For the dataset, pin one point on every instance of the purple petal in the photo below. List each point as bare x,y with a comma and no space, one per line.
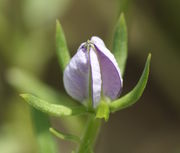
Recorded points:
95,78
76,75
97,40
110,72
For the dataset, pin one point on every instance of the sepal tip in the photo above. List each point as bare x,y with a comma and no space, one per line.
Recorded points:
103,111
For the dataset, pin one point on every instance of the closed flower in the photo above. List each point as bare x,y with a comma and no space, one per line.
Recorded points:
93,74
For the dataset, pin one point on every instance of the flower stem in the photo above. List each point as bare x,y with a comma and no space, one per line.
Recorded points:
90,135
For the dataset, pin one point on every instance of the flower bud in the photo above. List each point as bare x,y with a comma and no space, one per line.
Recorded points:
93,73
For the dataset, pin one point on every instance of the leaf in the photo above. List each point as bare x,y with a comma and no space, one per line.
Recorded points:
52,109
26,82
61,47
134,95
120,43
65,136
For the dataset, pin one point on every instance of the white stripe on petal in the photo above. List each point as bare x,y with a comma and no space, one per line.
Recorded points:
95,78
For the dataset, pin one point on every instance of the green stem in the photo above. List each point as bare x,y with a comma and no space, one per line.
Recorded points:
90,135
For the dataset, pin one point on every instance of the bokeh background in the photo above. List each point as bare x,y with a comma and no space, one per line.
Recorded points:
28,62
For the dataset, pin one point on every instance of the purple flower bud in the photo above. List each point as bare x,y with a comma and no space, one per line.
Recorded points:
93,71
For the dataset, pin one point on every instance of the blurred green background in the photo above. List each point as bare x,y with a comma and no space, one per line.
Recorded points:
28,62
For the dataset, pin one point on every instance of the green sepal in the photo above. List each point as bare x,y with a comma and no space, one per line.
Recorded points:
120,43
61,47
103,111
65,136
53,109
134,95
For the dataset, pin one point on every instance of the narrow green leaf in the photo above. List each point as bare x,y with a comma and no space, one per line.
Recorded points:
134,95
25,82
61,47
65,136
120,43
52,109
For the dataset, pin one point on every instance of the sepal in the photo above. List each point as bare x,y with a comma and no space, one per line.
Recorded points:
134,95
120,50
61,47
103,111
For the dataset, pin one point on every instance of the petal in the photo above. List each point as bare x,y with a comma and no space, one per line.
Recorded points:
95,78
76,75
97,40
111,76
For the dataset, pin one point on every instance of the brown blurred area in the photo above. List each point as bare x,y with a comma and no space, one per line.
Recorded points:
27,41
